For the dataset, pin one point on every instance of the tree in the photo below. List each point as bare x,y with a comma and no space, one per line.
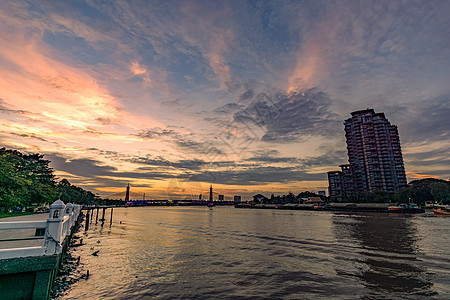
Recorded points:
428,189
440,192
75,194
381,196
27,179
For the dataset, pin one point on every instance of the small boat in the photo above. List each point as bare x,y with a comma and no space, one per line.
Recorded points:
398,207
407,208
430,204
442,210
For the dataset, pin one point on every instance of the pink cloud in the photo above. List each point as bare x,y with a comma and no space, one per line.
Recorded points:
218,46
215,40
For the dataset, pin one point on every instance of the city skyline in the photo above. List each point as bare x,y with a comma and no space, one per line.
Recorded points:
248,96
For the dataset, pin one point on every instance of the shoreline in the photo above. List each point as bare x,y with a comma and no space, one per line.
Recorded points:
346,207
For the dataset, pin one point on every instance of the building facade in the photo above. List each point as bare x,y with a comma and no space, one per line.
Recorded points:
374,155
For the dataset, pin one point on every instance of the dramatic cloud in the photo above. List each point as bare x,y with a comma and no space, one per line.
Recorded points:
286,117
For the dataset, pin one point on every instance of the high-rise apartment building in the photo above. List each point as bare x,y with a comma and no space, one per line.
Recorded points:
374,155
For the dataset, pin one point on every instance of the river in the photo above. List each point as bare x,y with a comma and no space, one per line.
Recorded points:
229,253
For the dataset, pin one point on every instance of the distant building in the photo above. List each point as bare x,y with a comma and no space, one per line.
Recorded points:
322,193
237,198
221,197
210,193
374,155
335,185
314,200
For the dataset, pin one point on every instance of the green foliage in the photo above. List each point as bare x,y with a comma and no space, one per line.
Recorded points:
440,191
27,179
417,191
75,194
429,189
379,197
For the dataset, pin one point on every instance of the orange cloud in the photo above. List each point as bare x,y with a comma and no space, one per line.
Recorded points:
140,70
309,68
414,175
313,59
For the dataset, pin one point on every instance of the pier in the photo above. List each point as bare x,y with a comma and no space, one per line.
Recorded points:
28,272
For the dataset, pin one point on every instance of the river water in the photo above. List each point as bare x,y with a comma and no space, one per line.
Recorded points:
230,253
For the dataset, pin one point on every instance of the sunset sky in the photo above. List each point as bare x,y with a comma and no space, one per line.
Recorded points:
250,96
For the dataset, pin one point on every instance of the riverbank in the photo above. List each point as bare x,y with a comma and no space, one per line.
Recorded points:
349,207
192,252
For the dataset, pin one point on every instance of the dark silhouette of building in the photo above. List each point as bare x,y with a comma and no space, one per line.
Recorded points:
210,193
374,155
127,195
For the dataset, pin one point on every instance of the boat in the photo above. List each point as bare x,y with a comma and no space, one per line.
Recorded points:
430,204
442,210
398,207
405,208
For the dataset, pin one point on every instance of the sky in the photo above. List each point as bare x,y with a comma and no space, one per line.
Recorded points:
249,96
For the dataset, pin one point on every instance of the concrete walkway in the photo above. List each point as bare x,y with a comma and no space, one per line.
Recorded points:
6,236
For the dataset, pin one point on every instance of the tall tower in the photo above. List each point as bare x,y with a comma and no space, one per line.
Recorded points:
210,193
127,195
374,153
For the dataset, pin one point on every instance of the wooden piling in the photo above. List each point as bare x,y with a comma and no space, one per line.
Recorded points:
86,228
96,218
110,220
103,216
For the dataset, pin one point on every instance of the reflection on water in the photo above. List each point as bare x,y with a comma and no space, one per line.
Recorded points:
228,253
389,259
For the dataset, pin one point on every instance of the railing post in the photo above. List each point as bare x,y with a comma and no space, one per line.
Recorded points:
69,211
53,233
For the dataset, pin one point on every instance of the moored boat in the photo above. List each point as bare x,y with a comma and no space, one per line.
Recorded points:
430,204
398,207
442,210
405,208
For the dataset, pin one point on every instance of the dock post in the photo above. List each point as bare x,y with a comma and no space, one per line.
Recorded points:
96,218
103,216
110,220
86,228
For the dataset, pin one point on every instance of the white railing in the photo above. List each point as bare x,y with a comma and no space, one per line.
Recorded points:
57,227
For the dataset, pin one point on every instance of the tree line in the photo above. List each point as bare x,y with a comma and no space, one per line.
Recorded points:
418,191
27,180
285,199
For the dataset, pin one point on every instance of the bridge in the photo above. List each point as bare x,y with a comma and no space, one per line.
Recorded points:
169,202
